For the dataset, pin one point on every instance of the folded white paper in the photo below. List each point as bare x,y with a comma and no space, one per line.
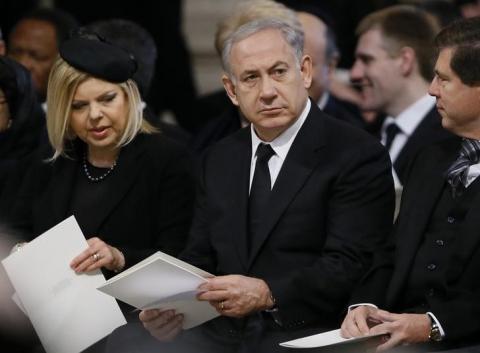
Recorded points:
164,282
328,338
66,310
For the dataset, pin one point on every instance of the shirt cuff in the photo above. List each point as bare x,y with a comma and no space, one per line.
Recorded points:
353,306
433,317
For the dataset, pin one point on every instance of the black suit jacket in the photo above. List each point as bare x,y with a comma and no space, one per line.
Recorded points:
216,129
150,209
330,207
456,304
344,111
428,132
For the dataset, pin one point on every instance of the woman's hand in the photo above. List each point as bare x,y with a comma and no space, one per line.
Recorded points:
98,254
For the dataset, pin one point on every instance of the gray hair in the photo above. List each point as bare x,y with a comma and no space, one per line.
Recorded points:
293,36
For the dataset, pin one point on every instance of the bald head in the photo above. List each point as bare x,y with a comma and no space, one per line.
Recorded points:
323,53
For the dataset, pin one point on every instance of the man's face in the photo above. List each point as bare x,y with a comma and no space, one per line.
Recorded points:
457,103
33,44
315,45
377,73
268,85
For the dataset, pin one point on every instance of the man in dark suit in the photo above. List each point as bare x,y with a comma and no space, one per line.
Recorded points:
433,272
393,68
289,211
320,45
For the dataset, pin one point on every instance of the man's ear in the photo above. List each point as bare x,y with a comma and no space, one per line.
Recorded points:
3,49
306,71
230,89
408,60
332,66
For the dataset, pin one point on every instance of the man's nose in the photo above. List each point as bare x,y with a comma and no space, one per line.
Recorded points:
268,88
357,71
433,89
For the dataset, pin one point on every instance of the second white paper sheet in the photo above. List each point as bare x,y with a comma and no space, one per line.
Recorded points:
324,339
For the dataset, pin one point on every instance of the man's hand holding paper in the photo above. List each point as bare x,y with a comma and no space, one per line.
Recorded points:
232,295
163,325
401,328
235,295
358,321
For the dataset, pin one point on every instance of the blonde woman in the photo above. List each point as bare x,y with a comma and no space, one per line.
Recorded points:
128,186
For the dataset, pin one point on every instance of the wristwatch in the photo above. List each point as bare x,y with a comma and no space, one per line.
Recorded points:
435,334
273,311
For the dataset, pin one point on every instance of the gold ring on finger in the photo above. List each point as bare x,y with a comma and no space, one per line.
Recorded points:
96,257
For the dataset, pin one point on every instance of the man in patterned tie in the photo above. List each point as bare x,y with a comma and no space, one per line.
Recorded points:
433,274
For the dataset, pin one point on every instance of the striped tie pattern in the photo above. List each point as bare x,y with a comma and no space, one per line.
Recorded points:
469,154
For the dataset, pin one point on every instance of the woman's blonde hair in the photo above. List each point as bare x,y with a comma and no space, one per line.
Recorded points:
62,84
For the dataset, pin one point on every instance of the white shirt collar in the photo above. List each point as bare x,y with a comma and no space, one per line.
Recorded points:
281,144
410,118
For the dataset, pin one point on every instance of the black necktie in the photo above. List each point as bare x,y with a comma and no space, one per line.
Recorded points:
469,154
391,131
259,192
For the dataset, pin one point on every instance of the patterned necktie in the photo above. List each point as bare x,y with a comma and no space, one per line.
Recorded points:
259,192
469,154
391,131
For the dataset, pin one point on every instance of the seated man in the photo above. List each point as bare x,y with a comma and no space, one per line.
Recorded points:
290,209
433,271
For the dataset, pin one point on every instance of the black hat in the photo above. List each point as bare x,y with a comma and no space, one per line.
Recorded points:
92,54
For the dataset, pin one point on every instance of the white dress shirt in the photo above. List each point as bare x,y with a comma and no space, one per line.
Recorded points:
280,145
407,121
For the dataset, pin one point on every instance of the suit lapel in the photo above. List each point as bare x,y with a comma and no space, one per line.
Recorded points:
300,162
427,132
240,170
